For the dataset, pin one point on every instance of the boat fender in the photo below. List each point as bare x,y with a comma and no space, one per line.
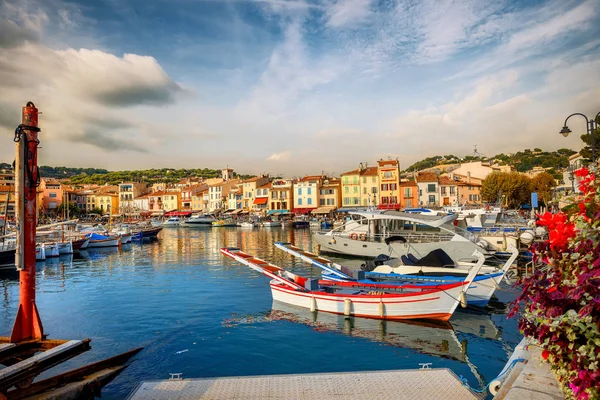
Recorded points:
381,309
463,299
527,237
363,237
347,307
353,236
313,304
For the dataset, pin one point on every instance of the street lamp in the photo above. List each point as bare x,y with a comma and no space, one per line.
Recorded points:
591,125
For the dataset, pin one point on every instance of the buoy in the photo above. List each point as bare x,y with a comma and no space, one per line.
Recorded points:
527,237
463,299
313,304
347,307
381,309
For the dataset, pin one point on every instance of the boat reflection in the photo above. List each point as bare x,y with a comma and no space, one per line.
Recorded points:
434,338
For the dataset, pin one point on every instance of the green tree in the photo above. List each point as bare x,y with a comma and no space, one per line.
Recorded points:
95,210
591,140
513,188
73,210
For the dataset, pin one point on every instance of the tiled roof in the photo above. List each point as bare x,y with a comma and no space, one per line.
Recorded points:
353,172
427,177
388,162
369,171
444,180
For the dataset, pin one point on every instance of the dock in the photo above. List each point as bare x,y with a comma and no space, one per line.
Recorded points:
426,383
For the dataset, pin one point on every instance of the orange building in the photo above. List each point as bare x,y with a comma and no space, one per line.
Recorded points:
409,193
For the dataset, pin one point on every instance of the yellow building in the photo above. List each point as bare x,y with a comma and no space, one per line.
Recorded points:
161,202
330,195
369,187
389,184
351,188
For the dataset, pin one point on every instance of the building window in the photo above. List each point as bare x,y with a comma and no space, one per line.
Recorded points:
356,201
322,202
346,189
365,190
345,179
431,199
309,201
443,189
299,191
431,188
393,200
384,187
409,203
330,202
355,189
52,195
393,186
346,201
364,179
387,175
299,202
407,192
451,189
309,191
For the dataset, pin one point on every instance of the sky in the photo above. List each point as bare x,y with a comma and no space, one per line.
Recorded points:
295,87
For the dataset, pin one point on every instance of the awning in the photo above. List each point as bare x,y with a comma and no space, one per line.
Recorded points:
391,206
178,214
347,209
229,212
302,210
271,212
261,200
322,210
236,212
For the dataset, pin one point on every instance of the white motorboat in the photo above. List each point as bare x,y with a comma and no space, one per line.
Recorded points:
271,224
172,222
97,241
199,221
371,233
247,224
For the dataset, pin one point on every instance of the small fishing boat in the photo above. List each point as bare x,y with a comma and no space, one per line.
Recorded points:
65,247
247,224
7,252
358,299
40,253
96,240
271,224
137,237
300,224
151,232
80,244
51,250
479,293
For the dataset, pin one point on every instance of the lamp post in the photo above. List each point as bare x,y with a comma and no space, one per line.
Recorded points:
591,125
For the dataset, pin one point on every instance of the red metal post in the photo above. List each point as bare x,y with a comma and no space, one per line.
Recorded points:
27,324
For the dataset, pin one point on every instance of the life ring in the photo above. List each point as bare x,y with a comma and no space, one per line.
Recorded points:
354,236
363,237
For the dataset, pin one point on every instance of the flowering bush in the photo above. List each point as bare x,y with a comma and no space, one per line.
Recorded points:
562,299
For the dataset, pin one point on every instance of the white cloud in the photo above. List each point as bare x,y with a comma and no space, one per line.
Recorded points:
282,156
345,13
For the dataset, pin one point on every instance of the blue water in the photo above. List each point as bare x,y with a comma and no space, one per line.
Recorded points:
203,315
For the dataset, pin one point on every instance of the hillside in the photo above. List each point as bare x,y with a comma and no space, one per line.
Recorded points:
523,160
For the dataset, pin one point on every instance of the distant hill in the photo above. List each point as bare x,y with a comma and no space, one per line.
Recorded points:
523,160
102,176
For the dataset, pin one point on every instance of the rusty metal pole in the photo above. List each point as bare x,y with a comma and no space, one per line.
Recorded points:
27,323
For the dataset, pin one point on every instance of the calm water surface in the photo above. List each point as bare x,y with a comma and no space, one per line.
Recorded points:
200,314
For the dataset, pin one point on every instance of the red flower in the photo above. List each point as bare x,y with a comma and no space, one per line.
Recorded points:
545,354
581,172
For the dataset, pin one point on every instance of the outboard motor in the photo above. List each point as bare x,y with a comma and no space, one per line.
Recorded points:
370,265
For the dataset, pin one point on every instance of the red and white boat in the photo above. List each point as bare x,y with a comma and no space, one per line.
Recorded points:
411,301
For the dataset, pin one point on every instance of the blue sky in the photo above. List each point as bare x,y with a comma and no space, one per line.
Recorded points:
295,86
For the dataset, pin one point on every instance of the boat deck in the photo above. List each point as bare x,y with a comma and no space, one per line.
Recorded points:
395,384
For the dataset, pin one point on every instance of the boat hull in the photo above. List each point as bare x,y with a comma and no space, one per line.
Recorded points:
271,224
51,250
437,305
111,242
456,249
65,248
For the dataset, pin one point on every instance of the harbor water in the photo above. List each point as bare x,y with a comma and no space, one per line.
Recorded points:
197,313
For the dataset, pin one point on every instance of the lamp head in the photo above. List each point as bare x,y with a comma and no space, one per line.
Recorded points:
565,131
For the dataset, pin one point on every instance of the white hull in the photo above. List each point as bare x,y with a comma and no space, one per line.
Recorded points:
51,250
40,254
65,248
113,242
126,238
249,225
457,249
437,305
271,224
